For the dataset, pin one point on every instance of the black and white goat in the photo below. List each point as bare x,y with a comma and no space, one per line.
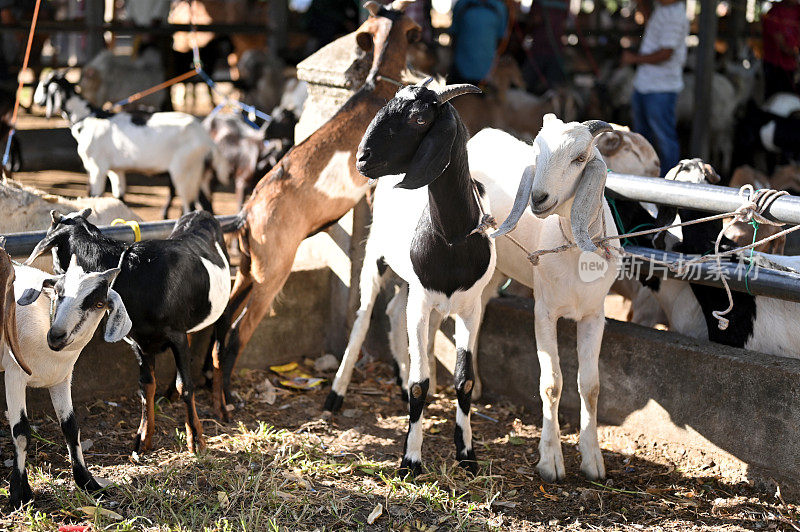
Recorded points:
52,332
758,323
110,144
426,208
170,287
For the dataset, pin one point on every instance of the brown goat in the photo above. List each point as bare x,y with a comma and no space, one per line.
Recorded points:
8,311
314,185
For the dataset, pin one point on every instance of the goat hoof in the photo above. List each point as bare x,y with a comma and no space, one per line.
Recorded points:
141,444
222,414
333,403
410,468
20,495
592,464
551,471
92,486
470,463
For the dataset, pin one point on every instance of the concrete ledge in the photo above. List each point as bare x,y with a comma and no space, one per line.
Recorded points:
727,400
298,327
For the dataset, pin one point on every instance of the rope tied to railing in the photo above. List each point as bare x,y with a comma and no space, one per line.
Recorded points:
751,211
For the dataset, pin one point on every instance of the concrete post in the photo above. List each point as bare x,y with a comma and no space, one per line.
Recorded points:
333,74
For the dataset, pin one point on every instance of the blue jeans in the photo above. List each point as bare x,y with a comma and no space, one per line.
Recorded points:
654,117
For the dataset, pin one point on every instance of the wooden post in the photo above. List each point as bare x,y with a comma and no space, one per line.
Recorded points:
278,24
704,73
94,12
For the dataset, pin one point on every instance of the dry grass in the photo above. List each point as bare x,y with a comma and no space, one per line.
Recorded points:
330,475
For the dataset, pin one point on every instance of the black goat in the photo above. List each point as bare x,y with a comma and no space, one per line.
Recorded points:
170,288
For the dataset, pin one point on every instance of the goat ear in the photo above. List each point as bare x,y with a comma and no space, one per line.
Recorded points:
520,203
364,41
56,217
119,323
85,213
44,245
108,275
588,202
8,328
31,294
433,154
609,143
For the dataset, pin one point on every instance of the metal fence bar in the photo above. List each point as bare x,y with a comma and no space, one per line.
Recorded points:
710,198
761,281
81,26
21,244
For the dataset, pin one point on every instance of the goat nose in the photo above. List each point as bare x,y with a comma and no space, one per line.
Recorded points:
364,155
56,337
539,199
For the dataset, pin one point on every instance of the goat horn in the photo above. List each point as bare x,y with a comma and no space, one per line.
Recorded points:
598,126
400,5
451,91
373,7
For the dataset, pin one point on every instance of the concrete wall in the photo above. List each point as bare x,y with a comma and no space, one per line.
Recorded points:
727,400
297,328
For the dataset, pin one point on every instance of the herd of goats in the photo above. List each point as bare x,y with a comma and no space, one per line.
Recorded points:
437,190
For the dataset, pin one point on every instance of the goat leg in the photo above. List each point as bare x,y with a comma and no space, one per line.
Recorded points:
466,335
370,285
170,197
418,316
194,427
61,397
147,392
20,490
221,328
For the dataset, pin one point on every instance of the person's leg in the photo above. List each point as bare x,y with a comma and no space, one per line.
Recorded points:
662,122
639,111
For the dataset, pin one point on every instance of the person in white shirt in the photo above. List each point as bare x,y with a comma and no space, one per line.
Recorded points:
659,79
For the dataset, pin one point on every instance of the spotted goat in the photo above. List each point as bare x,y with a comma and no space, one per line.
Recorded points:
52,332
170,287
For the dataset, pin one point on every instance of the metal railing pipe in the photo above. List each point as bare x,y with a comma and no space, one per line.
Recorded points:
710,198
760,281
21,244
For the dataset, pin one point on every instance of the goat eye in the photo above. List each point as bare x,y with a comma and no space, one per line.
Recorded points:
99,304
420,121
579,159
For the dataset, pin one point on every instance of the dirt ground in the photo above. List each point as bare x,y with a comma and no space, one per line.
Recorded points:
282,466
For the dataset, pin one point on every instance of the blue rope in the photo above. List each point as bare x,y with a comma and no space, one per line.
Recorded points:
7,153
250,109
